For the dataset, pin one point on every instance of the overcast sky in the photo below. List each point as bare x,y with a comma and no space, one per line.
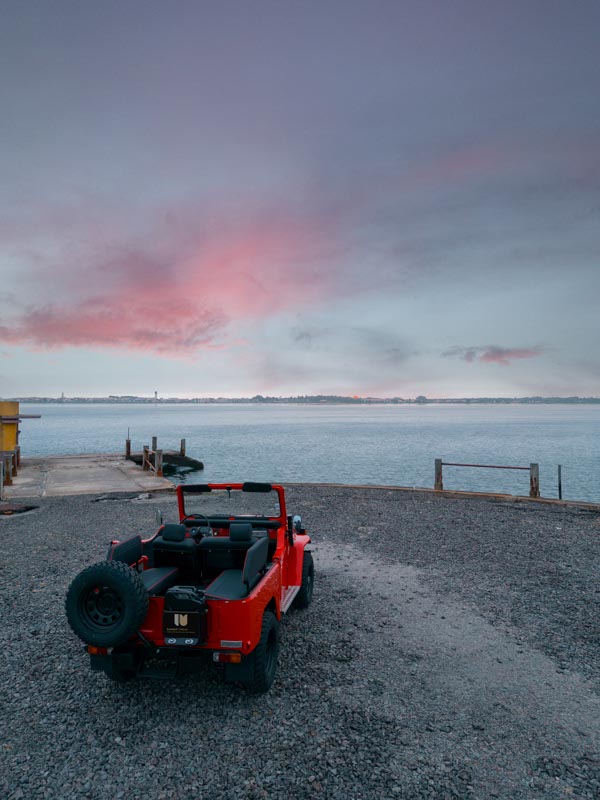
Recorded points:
231,198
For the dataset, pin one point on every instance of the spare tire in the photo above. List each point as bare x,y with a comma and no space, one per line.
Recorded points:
106,604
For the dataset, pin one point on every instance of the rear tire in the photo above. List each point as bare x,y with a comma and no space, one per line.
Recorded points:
106,604
304,596
265,655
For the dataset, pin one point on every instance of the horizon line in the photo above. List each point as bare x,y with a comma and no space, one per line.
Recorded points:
419,399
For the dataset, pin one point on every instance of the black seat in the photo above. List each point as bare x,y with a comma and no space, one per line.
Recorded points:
240,531
159,579
235,584
256,561
226,552
129,551
172,532
228,586
173,548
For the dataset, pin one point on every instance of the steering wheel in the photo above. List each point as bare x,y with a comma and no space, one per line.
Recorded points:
198,533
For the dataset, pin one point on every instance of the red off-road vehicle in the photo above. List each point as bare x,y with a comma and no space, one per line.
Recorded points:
214,585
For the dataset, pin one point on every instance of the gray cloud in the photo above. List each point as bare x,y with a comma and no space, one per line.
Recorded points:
493,354
363,343
431,170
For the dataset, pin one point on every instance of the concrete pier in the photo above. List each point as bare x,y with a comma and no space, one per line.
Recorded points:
54,476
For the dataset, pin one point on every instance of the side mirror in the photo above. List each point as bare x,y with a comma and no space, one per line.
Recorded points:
158,516
297,523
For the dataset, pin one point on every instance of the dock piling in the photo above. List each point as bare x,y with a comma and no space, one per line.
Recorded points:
534,480
7,471
145,460
127,448
154,443
438,485
158,463
560,481
182,448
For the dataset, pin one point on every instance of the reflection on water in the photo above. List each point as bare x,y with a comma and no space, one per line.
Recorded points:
344,444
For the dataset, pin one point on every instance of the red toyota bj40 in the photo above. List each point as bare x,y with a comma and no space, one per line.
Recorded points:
214,585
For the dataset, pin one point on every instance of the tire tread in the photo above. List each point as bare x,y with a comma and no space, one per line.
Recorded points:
135,600
303,598
261,681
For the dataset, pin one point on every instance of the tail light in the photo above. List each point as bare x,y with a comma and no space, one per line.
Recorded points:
227,658
97,651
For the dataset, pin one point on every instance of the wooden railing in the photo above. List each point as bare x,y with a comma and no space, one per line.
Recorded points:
152,458
533,469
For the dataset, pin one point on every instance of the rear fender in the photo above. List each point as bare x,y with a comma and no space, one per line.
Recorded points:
295,558
240,621
227,620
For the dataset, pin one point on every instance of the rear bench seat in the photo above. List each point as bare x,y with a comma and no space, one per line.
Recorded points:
238,558
235,584
172,547
157,579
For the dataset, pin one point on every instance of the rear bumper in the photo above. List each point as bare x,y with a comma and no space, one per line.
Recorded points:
168,663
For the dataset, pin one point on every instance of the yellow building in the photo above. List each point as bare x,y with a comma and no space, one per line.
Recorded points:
9,425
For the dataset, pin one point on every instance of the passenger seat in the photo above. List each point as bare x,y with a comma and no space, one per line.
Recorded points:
218,553
235,584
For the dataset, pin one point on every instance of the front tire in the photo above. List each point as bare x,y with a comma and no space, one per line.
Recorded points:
265,655
106,604
304,596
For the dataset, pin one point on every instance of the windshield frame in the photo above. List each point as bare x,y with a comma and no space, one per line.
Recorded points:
201,488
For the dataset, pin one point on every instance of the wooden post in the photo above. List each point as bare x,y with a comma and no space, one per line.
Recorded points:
7,475
13,461
158,468
560,482
154,443
182,448
127,448
19,455
534,480
145,464
438,485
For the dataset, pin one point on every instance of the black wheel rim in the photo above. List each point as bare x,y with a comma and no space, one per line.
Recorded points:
271,654
101,607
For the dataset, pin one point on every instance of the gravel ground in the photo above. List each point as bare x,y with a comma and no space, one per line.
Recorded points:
451,650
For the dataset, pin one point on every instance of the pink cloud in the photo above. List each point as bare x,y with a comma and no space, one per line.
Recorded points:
504,355
493,354
182,300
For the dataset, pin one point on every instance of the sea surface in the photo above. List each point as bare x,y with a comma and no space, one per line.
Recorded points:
373,444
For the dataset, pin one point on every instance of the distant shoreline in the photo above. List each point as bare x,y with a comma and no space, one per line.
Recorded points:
317,400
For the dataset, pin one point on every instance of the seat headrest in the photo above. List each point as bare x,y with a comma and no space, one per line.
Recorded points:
240,531
171,532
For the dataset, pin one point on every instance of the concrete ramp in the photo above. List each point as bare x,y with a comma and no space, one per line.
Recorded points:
55,476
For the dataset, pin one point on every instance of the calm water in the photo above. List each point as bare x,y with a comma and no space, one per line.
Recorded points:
345,444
